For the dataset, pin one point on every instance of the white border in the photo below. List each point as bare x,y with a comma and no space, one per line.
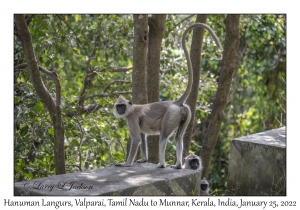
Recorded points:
8,8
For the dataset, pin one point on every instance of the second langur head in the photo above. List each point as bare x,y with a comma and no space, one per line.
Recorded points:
193,161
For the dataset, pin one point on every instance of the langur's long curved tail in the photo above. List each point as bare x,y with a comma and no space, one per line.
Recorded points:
186,94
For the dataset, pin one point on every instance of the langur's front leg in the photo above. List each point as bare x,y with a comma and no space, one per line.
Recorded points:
135,142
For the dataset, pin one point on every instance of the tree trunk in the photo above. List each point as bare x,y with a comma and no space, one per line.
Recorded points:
156,34
195,52
228,62
52,106
139,82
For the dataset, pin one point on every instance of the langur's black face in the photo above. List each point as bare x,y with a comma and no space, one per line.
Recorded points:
194,163
121,108
203,187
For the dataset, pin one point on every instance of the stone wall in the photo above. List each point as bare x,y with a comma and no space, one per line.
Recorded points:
140,179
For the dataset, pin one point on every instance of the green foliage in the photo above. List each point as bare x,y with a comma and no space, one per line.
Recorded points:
71,45
64,43
32,126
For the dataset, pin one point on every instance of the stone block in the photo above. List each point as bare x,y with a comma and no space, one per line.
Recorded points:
257,164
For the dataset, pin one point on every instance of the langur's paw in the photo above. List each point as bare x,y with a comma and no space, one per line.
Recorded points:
122,165
159,165
142,161
177,166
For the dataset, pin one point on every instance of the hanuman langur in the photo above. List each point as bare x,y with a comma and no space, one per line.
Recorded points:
204,187
159,118
192,161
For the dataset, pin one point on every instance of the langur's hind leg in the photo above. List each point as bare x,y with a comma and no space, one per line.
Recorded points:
179,135
162,149
169,123
144,149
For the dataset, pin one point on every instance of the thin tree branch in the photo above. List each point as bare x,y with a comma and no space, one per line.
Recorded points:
183,21
87,109
57,84
116,69
87,84
108,95
20,66
80,144
62,19
52,74
108,86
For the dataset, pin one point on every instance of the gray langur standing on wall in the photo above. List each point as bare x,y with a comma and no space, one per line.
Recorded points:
159,118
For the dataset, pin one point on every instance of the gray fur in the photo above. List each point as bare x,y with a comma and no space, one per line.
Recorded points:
159,118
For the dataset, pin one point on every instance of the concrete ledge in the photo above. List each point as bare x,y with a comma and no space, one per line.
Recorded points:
140,179
257,164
